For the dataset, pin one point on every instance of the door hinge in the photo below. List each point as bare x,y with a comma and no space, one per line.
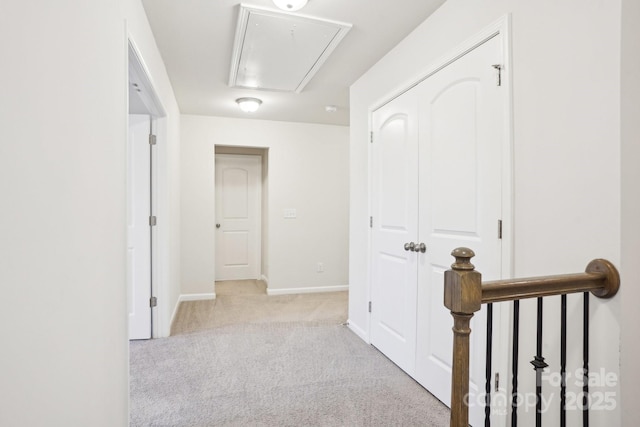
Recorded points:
153,301
497,381
370,222
498,68
499,229
152,139
369,306
153,221
371,136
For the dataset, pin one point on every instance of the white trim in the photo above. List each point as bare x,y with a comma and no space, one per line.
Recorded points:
503,320
317,289
187,297
137,66
358,331
265,279
173,318
196,297
501,26
369,270
508,161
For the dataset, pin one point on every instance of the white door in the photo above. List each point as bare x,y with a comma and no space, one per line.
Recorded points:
238,216
394,224
462,117
138,229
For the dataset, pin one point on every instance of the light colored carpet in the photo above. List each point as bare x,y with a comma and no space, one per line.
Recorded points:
266,371
246,302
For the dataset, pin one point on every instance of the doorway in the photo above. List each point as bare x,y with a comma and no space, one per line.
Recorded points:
437,183
241,213
145,110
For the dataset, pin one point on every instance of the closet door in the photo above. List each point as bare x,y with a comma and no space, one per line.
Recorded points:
394,225
138,228
461,138
238,216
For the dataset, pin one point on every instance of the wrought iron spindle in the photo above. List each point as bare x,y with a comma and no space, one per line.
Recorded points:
464,294
514,363
538,365
585,358
563,361
487,384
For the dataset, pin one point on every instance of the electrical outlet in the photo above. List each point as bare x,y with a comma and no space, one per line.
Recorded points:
320,267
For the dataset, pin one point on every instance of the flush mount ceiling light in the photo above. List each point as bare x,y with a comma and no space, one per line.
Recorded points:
290,5
248,105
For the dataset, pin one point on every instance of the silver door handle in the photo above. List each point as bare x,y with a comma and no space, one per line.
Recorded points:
410,246
217,225
421,247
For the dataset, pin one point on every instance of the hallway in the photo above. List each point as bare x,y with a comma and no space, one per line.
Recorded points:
251,359
246,301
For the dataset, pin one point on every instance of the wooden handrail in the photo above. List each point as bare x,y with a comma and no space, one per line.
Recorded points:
600,278
464,293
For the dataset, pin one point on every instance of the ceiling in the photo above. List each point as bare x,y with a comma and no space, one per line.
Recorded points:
196,38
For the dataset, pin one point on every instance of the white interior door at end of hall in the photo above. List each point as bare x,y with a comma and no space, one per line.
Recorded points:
395,223
462,134
138,229
238,214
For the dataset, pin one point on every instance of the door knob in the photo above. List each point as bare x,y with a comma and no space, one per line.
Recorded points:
421,247
217,225
409,246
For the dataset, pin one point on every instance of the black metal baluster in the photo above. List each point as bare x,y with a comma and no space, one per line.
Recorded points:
585,358
514,364
487,384
539,365
563,361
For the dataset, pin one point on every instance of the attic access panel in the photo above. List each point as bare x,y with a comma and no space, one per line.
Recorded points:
281,51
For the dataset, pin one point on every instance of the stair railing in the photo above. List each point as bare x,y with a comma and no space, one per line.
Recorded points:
464,294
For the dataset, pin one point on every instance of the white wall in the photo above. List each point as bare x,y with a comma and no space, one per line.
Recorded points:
307,170
63,109
566,85
62,215
167,260
630,133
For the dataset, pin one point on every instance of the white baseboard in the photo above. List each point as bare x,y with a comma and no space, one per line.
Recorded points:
196,297
313,290
188,297
173,316
358,331
265,279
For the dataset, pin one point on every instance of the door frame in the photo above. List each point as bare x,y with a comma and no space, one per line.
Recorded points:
260,221
502,313
137,70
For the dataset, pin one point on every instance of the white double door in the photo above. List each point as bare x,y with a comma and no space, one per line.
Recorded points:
436,181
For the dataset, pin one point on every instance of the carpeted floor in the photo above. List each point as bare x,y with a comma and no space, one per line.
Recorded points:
246,302
252,360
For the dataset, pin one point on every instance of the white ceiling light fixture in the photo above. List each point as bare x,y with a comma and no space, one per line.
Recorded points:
290,5
248,105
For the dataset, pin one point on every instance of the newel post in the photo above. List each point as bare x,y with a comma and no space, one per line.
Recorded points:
463,296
